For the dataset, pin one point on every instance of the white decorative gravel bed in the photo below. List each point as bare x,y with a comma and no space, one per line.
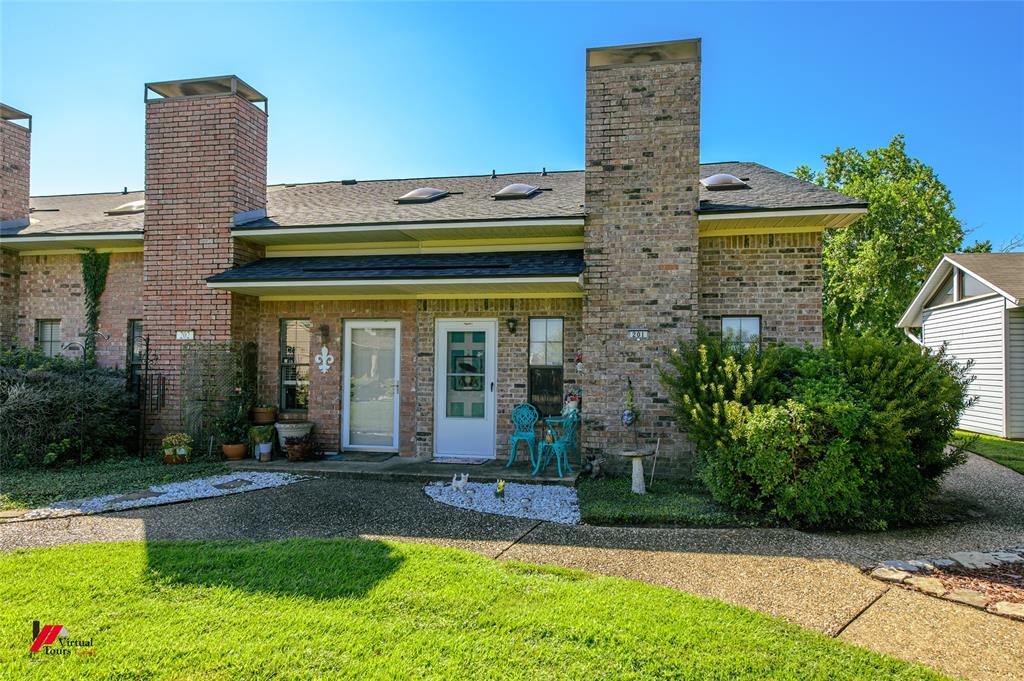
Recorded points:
553,503
200,488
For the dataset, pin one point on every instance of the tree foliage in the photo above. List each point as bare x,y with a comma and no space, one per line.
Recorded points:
874,267
94,276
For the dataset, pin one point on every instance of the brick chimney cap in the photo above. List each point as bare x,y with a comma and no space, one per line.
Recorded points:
9,113
201,87
644,53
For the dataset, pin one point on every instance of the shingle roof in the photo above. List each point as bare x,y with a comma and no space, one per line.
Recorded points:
769,190
372,201
1003,270
413,266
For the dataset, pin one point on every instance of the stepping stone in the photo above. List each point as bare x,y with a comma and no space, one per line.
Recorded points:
1014,610
135,496
922,564
233,484
928,585
943,562
975,559
1006,557
888,574
968,597
908,566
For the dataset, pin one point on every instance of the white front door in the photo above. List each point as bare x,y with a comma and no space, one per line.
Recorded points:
369,410
465,402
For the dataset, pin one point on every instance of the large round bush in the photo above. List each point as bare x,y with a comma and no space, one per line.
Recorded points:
852,435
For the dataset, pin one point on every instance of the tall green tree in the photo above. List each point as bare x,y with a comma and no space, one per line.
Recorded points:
874,267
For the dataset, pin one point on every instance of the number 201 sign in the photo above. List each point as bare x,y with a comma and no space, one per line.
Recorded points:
639,334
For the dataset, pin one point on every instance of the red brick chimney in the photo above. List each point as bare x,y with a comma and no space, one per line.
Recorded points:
206,170
640,239
15,152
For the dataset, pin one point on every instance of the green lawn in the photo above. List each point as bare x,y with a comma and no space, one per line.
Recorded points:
1009,453
368,609
681,503
28,488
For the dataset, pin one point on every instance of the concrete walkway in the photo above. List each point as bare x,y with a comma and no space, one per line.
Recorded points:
813,580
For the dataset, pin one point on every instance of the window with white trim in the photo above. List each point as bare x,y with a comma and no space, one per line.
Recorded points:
294,359
545,372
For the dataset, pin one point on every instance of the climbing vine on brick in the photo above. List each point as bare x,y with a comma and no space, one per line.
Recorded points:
94,278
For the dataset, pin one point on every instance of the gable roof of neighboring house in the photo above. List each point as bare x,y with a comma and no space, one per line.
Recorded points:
470,198
1001,272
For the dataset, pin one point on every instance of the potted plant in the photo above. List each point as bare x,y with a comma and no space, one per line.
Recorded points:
233,426
262,438
263,413
291,429
177,448
301,448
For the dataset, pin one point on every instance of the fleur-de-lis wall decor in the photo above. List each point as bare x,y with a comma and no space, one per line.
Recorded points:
324,360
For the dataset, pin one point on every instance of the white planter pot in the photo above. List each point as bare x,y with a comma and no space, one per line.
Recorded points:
287,429
264,451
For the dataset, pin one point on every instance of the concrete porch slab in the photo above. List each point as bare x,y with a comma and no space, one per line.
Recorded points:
402,469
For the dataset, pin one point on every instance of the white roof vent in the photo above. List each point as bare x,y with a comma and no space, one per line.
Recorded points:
724,181
519,190
422,195
129,208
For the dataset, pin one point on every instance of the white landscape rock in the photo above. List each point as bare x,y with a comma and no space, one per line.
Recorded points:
200,488
553,503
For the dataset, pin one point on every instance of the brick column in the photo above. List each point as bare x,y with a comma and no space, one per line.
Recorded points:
206,162
15,158
642,173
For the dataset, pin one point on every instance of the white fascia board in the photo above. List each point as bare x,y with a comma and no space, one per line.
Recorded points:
737,215
20,241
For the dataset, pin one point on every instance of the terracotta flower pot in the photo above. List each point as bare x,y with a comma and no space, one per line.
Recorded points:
234,452
262,416
169,456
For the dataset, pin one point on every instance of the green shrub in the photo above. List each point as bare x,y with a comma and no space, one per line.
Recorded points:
49,405
853,435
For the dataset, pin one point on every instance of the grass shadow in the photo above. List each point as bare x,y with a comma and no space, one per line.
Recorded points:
319,569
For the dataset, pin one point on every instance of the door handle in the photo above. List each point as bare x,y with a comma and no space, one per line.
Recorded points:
492,386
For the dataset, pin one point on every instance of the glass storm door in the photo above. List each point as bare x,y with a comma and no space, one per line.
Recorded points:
464,392
370,385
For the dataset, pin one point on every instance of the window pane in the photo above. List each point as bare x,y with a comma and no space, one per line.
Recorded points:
546,342
970,287
741,331
294,358
944,294
467,354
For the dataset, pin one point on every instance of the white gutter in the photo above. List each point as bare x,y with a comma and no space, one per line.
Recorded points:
917,341
735,215
395,282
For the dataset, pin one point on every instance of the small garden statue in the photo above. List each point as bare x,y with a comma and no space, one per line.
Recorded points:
629,414
499,489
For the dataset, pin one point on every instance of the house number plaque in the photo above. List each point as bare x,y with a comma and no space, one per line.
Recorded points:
639,334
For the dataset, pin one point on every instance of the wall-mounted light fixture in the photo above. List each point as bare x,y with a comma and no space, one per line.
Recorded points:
511,323
325,334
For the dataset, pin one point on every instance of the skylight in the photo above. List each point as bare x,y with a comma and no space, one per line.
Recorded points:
724,181
519,190
422,195
129,208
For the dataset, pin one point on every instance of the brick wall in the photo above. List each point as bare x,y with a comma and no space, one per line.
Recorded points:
777,276
642,151
206,161
15,151
51,288
512,355
416,415
10,286
325,389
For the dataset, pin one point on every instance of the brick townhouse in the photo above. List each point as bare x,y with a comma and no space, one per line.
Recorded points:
443,301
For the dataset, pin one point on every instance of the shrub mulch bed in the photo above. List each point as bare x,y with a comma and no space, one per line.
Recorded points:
1000,583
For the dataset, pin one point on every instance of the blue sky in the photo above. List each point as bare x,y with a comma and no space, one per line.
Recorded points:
408,90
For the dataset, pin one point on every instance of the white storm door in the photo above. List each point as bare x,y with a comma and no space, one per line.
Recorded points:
465,401
370,384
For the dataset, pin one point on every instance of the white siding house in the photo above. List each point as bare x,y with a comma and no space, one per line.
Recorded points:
971,303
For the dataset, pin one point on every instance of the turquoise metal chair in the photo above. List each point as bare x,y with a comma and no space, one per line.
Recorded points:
524,418
560,448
